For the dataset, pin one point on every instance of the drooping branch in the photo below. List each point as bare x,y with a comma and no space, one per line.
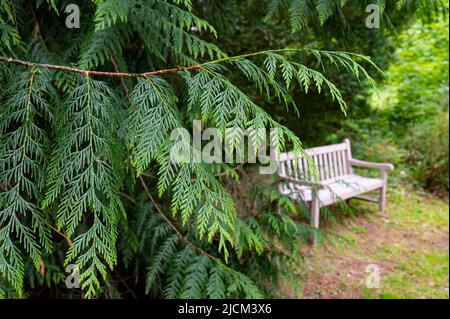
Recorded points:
136,75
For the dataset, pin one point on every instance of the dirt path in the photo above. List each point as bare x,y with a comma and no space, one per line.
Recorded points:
409,246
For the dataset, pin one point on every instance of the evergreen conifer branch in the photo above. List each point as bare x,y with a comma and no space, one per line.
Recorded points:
23,159
346,59
85,176
86,150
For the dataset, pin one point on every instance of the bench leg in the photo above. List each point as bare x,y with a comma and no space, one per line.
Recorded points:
315,216
382,199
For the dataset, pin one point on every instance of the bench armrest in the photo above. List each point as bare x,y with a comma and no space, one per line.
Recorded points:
364,164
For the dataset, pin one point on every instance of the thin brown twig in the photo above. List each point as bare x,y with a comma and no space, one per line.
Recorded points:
128,197
122,81
69,241
142,75
148,175
122,280
98,73
176,231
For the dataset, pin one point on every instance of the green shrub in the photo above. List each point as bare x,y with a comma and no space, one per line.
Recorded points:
428,153
408,122
384,150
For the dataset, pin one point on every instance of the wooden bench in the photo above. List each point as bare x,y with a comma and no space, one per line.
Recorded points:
330,179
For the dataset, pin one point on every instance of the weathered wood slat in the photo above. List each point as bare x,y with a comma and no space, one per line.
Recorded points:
282,172
342,156
335,165
326,149
297,169
306,175
316,162
326,166
322,167
348,156
330,165
339,163
289,168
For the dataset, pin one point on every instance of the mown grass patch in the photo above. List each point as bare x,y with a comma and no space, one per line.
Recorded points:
409,244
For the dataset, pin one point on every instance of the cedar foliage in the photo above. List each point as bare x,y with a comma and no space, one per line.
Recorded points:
74,148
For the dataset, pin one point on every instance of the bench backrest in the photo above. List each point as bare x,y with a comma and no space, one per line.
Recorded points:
330,161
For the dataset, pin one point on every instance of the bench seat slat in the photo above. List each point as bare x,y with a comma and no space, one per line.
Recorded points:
336,189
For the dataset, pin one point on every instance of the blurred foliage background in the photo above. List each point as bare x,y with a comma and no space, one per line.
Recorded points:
405,122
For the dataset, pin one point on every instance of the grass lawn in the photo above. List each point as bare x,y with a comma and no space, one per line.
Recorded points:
409,245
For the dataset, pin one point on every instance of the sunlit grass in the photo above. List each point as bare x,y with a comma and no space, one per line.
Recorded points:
422,270
423,275
410,245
